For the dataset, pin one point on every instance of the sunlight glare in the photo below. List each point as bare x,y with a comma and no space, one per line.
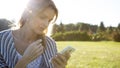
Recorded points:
12,9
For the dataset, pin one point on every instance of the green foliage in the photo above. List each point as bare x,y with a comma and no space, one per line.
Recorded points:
118,26
98,37
116,37
83,31
71,36
101,27
55,28
109,29
70,27
58,36
93,28
84,27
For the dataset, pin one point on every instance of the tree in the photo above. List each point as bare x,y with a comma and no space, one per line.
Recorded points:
93,28
55,28
58,28
116,37
101,27
84,27
118,27
62,29
69,27
109,30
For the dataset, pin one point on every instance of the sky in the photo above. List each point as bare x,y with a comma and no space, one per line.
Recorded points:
71,11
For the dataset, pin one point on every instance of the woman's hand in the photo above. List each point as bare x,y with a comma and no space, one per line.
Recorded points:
60,60
33,51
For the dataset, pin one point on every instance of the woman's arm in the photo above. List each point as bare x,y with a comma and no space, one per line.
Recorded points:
21,64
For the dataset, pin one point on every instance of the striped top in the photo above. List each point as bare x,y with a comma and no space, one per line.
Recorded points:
34,64
9,56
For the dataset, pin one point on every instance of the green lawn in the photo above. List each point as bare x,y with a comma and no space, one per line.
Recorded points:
93,54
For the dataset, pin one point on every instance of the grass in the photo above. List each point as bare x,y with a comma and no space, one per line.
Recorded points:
93,54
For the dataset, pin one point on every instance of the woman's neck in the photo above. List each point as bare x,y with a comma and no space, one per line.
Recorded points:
25,35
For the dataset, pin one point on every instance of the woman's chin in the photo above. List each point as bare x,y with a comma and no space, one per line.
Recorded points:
40,32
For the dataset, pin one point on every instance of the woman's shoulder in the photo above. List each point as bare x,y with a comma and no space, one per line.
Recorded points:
50,39
51,44
5,32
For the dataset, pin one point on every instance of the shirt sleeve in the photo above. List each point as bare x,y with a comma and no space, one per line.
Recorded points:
50,51
2,63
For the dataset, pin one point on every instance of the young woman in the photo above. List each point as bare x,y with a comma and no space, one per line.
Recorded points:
27,46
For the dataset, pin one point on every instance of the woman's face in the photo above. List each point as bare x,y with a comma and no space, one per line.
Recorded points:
41,20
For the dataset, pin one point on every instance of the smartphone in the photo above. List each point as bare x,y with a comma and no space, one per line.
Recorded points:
69,49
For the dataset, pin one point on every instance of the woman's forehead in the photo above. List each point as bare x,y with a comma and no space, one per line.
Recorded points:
46,11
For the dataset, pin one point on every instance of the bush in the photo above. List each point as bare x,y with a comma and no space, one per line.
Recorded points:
58,36
116,37
71,36
99,37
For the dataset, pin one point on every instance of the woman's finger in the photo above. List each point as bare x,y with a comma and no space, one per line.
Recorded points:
59,59
62,58
67,55
58,66
38,41
39,49
55,65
